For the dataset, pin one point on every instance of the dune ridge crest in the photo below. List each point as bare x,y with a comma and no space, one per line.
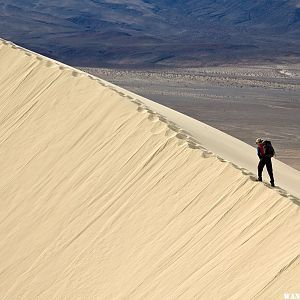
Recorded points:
102,196
148,106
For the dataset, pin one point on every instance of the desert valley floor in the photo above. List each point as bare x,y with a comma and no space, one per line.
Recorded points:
246,102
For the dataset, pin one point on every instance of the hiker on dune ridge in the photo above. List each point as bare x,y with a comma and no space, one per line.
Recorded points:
265,152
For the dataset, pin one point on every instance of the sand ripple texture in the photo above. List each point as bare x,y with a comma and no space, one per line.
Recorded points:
102,198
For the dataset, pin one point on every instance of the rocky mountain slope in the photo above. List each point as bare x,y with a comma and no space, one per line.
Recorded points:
164,32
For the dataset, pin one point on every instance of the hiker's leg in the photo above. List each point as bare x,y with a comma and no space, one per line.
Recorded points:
260,168
270,170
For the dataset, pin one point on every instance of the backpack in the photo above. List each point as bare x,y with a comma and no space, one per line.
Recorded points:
268,149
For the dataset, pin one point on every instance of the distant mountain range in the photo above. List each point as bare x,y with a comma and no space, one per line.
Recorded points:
147,32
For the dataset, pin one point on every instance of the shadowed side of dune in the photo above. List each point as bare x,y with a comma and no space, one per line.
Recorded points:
100,197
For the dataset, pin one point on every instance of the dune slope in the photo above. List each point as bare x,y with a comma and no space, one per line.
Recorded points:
103,199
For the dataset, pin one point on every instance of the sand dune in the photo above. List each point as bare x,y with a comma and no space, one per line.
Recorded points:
107,195
227,98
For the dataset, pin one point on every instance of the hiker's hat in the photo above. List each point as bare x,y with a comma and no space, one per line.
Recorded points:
259,140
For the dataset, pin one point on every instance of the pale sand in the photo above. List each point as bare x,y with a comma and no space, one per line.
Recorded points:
102,198
243,101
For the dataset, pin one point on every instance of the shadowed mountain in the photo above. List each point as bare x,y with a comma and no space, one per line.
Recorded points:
147,32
